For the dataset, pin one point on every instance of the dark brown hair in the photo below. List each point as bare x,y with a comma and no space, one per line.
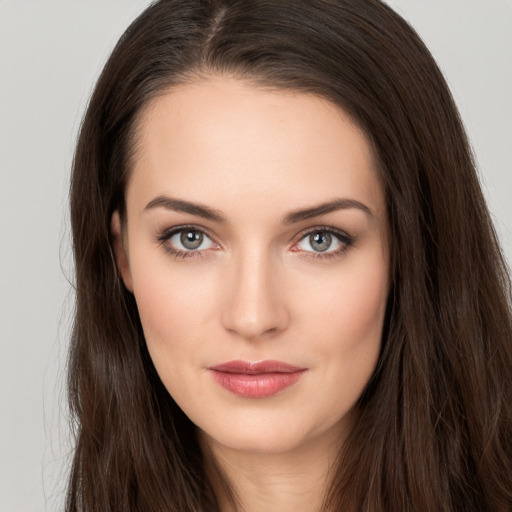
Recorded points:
435,421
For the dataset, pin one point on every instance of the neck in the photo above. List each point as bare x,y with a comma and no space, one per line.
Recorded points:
285,482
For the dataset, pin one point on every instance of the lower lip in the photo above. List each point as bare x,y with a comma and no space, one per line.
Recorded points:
260,385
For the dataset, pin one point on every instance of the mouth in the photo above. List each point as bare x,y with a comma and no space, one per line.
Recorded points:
256,380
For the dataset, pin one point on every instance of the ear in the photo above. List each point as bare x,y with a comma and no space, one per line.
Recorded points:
123,264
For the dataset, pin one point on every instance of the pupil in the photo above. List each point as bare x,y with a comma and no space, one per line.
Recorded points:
191,239
320,241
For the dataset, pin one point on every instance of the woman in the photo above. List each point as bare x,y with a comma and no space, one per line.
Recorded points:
289,291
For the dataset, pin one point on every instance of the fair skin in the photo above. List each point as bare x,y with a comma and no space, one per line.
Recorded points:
224,268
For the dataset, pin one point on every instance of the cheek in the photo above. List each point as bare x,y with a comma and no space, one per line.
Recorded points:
359,310
175,307
348,315
351,302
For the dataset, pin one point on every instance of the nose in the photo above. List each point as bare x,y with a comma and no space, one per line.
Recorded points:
255,307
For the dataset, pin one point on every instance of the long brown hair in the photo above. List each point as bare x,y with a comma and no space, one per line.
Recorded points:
434,432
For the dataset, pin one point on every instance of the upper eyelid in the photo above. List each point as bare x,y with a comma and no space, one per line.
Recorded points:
335,231
169,232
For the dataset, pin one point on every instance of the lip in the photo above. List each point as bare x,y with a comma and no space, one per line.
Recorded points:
256,380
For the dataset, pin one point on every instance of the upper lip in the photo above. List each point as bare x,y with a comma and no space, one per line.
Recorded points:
257,368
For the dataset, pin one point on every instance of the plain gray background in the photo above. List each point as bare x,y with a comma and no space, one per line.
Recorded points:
51,52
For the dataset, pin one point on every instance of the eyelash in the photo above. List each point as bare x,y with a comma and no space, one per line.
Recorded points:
345,239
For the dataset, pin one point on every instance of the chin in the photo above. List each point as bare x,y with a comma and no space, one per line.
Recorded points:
256,442
277,434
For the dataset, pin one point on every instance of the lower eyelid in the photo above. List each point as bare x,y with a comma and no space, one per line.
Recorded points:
327,255
182,255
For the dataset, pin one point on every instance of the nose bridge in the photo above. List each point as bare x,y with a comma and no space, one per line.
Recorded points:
254,307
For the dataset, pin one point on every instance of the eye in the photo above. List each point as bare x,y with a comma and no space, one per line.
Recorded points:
324,241
186,241
190,240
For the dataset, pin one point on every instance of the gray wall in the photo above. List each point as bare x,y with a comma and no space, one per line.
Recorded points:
51,51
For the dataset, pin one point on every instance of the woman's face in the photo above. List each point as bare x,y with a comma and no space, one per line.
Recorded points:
256,232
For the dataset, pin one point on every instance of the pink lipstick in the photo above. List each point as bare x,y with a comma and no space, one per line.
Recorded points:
256,380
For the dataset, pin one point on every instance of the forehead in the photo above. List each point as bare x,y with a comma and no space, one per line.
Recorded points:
220,137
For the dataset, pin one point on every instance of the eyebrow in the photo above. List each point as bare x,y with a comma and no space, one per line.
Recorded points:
324,208
179,205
